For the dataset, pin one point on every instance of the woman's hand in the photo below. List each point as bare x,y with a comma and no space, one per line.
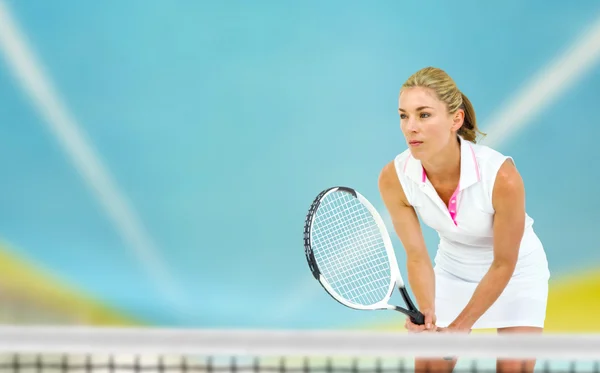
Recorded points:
454,328
429,324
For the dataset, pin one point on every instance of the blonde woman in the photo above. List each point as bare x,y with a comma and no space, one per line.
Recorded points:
490,267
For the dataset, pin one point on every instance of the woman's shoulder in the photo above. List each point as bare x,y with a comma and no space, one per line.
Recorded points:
486,152
488,157
403,157
395,167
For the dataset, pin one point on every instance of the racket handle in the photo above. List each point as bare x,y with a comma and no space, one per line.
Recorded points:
417,318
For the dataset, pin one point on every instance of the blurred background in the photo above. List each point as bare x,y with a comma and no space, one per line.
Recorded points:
158,157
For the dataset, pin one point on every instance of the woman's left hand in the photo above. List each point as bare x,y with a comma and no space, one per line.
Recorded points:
452,328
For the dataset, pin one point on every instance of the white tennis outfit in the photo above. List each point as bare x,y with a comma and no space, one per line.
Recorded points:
465,250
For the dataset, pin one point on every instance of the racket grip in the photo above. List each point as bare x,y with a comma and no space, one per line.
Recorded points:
417,318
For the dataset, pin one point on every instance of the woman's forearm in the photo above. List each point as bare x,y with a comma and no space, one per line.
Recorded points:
486,293
422,282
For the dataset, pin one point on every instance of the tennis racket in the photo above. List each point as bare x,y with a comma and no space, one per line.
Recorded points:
350,253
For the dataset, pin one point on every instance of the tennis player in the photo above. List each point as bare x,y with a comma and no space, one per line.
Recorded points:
490,268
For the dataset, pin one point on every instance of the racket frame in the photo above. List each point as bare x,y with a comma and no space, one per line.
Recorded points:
395,278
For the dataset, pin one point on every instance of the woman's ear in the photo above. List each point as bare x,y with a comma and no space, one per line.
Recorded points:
458,119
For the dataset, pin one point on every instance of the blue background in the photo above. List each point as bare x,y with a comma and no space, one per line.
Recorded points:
220,121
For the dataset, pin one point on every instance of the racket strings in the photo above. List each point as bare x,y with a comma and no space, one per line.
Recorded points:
343,237
380,263
364,255
358,288
332,217
363,221
349,249
353,282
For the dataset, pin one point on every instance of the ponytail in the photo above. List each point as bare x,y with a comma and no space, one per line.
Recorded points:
469,128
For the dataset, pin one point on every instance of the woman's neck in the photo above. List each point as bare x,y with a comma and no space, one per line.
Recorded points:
444,167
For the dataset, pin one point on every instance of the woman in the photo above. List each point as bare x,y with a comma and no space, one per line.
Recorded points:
490,268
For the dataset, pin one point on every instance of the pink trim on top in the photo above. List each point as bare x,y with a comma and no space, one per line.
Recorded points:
453,205
476,165
406,164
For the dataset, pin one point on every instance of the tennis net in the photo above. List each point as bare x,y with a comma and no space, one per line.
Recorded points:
128,350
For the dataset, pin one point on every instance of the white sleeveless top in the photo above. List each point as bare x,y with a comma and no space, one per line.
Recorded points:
465,227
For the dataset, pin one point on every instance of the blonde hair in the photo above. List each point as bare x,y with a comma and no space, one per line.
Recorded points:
446,90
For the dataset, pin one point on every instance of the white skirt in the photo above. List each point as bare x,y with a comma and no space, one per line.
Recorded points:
522,303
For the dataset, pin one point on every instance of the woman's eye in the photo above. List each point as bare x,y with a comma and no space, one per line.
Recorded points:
425,115
402,116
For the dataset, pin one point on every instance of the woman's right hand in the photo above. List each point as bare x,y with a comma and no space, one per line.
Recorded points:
428,326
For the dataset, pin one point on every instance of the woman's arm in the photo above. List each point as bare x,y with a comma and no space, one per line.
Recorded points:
508,198
406,224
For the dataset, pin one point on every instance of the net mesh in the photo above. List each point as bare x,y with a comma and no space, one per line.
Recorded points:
156,350
349,249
